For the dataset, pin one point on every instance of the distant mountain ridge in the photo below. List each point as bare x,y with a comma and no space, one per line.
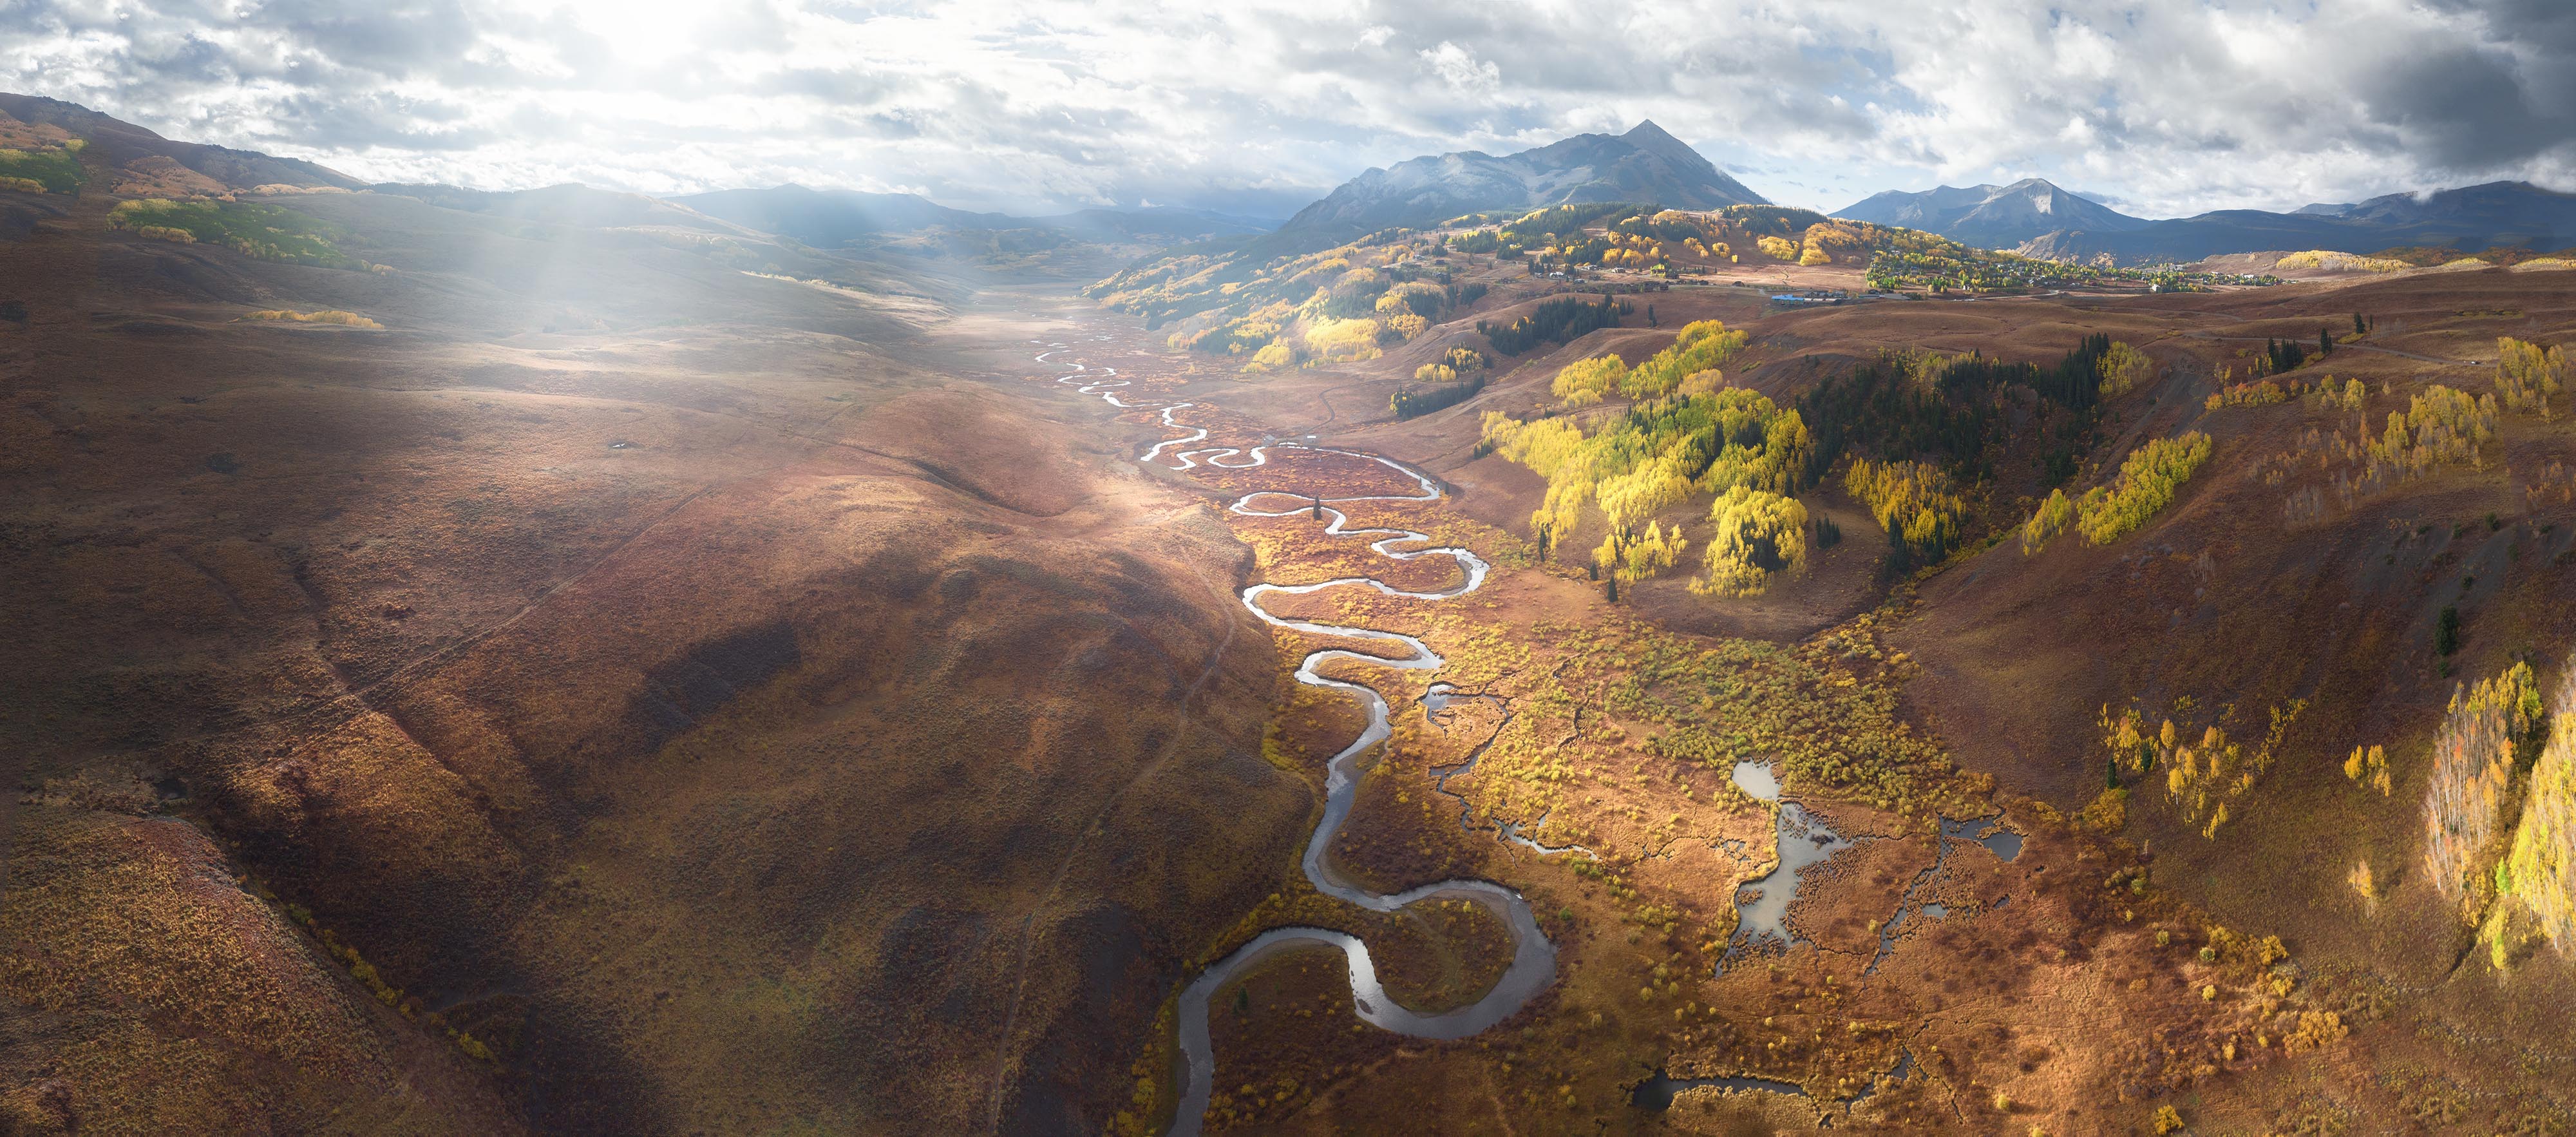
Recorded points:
2509,214
2037,218
1992,217
832,217
1644,165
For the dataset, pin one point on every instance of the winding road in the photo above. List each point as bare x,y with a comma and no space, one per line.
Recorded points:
1533,965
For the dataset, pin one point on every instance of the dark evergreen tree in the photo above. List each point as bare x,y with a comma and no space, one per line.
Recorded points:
1554,321
1409,403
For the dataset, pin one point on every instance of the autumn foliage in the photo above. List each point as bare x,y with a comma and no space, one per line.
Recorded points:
2527,375
2542,866
2473,767
1917,504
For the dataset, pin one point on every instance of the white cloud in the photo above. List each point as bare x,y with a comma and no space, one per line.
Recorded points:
1462,71
1035,104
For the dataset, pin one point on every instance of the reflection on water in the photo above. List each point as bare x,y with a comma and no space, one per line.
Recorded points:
1756,779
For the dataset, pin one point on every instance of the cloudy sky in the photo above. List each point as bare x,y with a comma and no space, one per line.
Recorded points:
2163,108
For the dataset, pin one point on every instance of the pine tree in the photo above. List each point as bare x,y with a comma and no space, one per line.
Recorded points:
2358,327
2325,341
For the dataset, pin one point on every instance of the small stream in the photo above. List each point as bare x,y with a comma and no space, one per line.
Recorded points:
1435,702
1985,832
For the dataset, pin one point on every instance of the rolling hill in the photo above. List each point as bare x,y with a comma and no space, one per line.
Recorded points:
142,161
826,513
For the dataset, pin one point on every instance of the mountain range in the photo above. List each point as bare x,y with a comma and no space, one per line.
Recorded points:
2039,219
2507,214
1644,165
1991,216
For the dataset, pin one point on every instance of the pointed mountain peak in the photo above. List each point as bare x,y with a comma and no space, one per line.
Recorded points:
1654,139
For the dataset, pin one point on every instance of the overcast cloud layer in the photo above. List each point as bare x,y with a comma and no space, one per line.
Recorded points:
2162,108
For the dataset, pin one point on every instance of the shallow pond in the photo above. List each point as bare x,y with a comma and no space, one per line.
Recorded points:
1803,839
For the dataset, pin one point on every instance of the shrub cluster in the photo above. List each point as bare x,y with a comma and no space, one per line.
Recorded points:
1458,363
2527,374
2204,777
259,231
2542,866
327,316
1703,346
2148,478
2474,759
1756,534
43,170
2124,369
1661,452
2260,393
2051,519
1917,504
1409,403
2441,427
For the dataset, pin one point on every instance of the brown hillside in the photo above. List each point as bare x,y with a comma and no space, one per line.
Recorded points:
719,720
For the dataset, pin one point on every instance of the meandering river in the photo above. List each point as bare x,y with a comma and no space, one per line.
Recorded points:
1533,964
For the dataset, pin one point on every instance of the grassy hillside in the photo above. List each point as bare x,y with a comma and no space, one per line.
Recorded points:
634,694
